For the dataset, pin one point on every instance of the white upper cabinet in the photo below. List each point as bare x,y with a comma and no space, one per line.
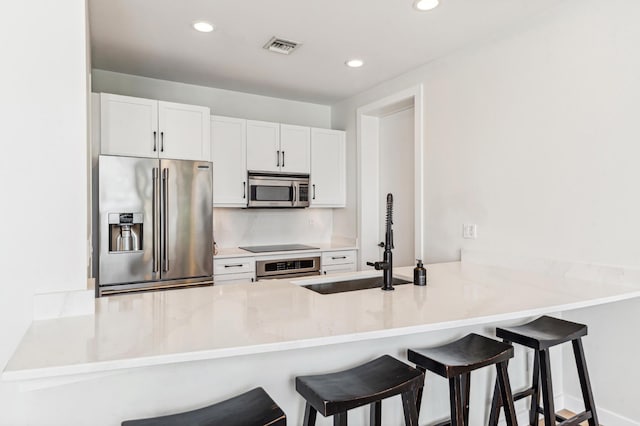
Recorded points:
328,168
274,147
147,128
128,126
263,146
228,154
184,131
295,147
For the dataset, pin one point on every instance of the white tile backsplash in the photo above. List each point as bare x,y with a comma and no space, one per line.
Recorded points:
239,227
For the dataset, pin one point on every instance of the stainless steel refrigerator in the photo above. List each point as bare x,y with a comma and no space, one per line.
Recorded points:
155,224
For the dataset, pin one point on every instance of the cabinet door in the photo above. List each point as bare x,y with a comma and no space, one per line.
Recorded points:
184,131
295,148
263,146
338,269
328,168
128,126
228,154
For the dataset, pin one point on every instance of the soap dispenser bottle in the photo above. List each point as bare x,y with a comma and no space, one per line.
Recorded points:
419,274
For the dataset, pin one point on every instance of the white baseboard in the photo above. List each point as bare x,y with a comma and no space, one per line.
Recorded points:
605,417
522,410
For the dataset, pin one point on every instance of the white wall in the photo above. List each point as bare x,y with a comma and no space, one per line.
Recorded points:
533,136
242,227
221,102
396,176
43,165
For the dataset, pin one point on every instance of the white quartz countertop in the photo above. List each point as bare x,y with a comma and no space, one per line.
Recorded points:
238,252
224,321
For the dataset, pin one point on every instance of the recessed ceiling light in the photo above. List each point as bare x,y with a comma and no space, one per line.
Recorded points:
203,27
423,5
354,63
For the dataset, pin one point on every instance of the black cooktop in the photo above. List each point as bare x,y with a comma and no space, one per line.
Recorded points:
278,247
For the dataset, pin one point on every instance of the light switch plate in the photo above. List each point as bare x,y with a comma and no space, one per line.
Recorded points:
470,231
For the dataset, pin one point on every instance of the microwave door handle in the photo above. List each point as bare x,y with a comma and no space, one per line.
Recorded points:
295,195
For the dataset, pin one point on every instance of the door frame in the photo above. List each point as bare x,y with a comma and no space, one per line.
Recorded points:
368,143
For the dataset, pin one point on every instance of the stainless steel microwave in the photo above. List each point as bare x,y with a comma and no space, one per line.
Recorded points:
278,190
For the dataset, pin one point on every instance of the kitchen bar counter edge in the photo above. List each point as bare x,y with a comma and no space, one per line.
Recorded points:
442,307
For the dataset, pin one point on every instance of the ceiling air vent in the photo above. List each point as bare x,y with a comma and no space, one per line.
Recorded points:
280,45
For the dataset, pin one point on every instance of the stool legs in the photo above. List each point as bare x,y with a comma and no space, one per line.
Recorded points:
410,410
376,414
535,388
340,419
455,397
309,415
420,389
547,389
585,384
505,394
375,411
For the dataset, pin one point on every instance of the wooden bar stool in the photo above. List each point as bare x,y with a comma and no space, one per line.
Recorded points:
540,335
455,361
253,408
335,393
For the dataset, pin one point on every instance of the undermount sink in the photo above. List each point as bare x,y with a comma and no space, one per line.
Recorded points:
351,285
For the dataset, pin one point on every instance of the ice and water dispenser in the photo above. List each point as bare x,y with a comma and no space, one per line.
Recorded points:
125,232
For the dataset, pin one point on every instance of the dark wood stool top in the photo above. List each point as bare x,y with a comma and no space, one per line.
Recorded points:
543,332
462,356
376,380
253,408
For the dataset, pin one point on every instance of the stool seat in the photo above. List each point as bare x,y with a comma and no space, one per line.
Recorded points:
342,391
462,356
253,408
543,332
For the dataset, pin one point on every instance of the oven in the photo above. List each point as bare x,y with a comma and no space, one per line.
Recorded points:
287,268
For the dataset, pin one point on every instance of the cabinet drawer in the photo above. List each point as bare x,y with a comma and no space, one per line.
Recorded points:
236,265
247,277
336,269
338,257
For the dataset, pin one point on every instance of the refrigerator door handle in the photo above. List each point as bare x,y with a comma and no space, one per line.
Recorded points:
156,219
165,219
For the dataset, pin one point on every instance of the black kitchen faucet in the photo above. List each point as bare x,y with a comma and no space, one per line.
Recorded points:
387,261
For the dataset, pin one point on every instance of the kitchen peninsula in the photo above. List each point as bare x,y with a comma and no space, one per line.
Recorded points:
223,328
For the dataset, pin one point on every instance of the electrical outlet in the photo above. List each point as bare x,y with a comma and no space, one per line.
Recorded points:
470,231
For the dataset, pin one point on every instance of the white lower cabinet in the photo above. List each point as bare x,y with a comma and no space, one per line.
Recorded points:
249,277
234,270
338,269
334,262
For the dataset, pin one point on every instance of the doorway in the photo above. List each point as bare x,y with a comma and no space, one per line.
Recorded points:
390,159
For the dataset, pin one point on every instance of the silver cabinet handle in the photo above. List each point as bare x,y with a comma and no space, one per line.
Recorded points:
161,141
277,158
165,218
155,139
156,219
244,190
282,158
314,191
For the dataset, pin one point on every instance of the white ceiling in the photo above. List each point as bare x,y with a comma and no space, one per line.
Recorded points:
154,38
